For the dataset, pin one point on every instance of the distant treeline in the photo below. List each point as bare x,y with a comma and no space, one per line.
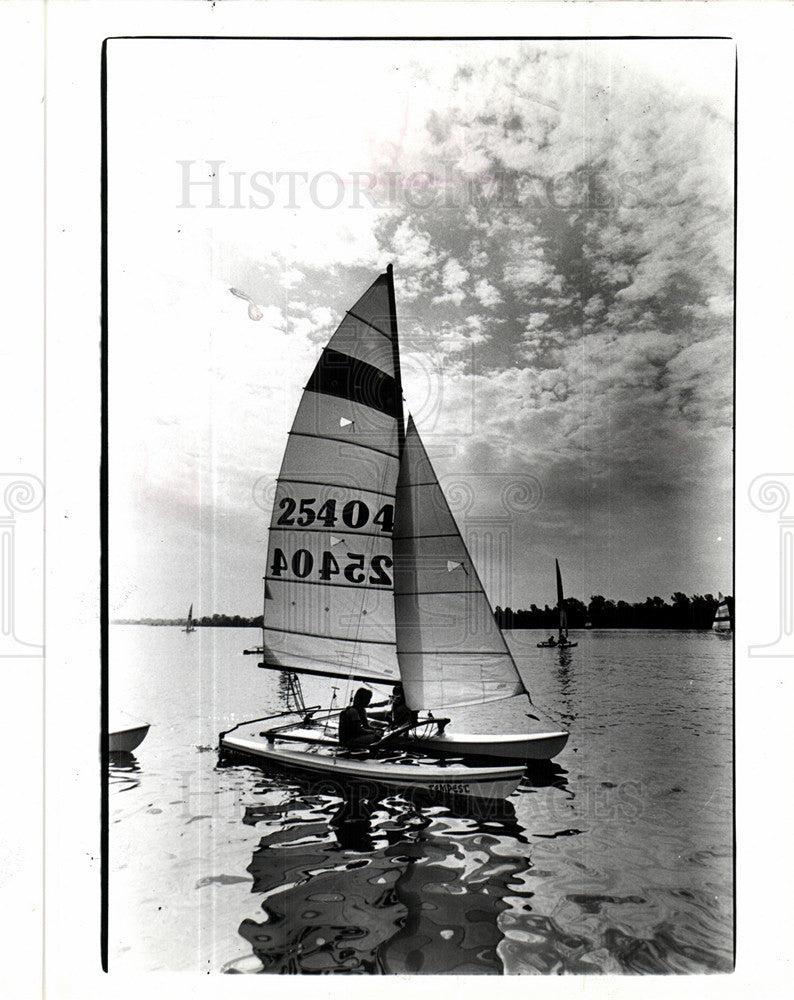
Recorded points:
685,612
228,621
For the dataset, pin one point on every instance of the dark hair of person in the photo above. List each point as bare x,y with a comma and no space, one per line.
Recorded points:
362,698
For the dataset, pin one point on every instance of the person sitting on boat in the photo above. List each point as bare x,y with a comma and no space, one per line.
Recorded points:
552,641
354,726
400,714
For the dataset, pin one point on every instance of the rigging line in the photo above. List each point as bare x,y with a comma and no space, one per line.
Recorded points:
385,473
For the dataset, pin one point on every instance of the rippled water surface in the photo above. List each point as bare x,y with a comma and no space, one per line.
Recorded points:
616,859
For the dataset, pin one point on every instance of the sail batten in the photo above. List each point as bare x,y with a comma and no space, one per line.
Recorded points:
347,442
450,649
372,326
322,635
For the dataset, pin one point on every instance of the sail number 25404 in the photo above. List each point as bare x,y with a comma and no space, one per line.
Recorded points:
354,514
303,564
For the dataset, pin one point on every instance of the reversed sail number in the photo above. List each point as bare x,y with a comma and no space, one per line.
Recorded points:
303,565
355,514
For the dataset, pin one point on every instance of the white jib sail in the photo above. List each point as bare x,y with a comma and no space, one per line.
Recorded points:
329,575
450,649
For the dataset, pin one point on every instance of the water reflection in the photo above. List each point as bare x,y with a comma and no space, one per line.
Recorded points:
545,774
563,674
379,884
122,769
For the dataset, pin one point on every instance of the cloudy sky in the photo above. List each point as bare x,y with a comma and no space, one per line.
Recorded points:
560,220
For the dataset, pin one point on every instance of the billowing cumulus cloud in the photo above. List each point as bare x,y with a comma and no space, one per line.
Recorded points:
559,217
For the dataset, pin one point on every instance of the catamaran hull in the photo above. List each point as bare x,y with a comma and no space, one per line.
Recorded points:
126,740
521,747
453,781
557,645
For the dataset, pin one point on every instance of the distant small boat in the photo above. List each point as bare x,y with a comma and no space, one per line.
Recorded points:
723,620
562,631
256,651
126,740
190,627
588,624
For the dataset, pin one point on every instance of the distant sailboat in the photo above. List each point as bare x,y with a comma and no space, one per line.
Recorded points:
562,630
723,620
369,580
190,627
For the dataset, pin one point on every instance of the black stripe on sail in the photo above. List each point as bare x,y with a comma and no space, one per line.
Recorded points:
349,378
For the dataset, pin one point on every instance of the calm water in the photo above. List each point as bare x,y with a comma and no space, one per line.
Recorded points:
616,860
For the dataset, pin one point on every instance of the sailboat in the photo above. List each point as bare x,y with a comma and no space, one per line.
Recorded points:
562,630
369,581
723,622
190,627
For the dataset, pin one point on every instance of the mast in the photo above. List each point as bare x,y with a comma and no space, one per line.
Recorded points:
396,356
264,609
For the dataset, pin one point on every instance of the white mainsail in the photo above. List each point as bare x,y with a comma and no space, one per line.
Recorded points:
450,649
329,578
